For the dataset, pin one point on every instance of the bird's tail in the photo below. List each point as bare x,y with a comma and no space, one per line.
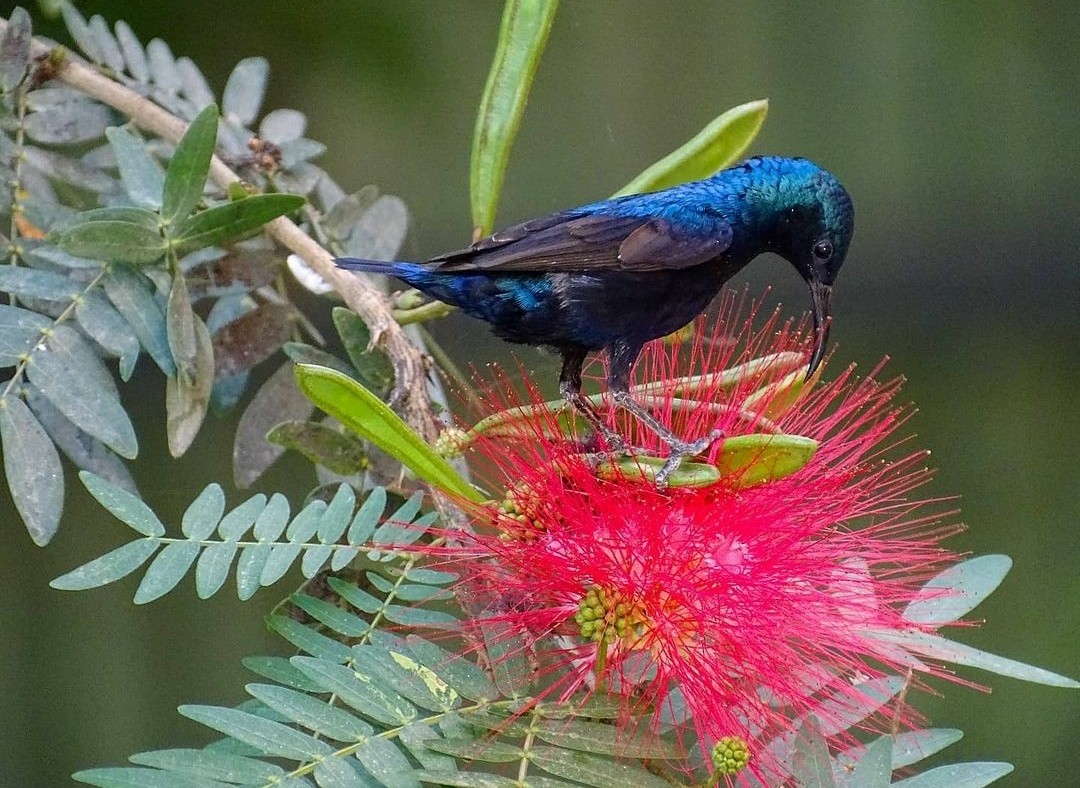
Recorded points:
370,266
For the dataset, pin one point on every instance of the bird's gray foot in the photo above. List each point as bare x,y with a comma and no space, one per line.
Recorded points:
683,450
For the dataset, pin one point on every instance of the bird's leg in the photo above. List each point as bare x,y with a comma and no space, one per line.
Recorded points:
570,390
622,360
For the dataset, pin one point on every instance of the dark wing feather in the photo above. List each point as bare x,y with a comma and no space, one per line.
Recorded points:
570,242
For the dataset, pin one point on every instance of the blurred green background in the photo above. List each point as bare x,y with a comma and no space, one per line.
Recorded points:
953,125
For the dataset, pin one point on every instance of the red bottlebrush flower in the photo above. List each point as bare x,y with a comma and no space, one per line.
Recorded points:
752,596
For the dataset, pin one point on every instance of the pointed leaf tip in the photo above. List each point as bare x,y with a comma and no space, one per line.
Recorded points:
368,416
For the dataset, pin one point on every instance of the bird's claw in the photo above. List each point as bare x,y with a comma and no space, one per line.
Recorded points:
681,450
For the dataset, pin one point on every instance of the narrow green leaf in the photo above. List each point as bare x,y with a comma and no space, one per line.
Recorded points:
378,703
811,765
522,36
270,738
72,376
20,330
105,326
361,411
135,777
204,513
958,590
465,678
754,459
249,570
716,146
166,571
244,90
15,49
405,676
109,568
356,597
211,765
308,712
127,508
367,517
180,322
470,779
374,368
308,640
130,292
70,123
32,466
31,283
602,739
340,773
958,775
483,750
387,764
213,568
229,221
913,746
186,176
874,768
277,400
140,172
593,770
341,621
937,647
280,670
419,617
416,737
113,242
186,403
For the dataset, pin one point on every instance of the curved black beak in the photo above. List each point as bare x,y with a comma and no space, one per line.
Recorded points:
822,295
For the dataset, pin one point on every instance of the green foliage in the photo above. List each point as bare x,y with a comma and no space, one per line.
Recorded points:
522,36
259,535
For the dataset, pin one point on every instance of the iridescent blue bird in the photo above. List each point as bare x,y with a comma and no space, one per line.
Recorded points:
615,274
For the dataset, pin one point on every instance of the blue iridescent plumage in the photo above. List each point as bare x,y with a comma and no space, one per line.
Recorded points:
614,274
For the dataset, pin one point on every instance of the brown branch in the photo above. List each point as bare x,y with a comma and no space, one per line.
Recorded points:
410,364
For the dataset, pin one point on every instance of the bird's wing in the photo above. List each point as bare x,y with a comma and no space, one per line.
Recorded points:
569,242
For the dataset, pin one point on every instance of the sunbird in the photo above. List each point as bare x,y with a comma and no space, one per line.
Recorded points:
615,274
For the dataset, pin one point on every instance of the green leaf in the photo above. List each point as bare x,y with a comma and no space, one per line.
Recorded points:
213,568
470,779
874,768
405,676
958,590
125,507
483,750
418,616
958,775
913,746
592,770
167,570
135,777
186,176
106,327
603,739
113,242
71,375
229,221
308,640
361,411
937,647
277,400
811,765
32,466
180,322
373,367
753,459
522,36
280,670
186,403
142,176
130,292
716,146
367,517
308,712
211,765
203,515
69,123
356,597
30,283
343,454
109,568
244,90
465,678
270,738
386,763
688,474
15,50
378,703
341,621
20,330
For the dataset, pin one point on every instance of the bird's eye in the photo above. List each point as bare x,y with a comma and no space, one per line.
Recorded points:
823,250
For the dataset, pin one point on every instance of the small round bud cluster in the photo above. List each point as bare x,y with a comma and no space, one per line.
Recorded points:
730,755
517,515
602,618
451,443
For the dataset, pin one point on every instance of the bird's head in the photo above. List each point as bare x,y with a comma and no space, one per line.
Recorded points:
814,224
